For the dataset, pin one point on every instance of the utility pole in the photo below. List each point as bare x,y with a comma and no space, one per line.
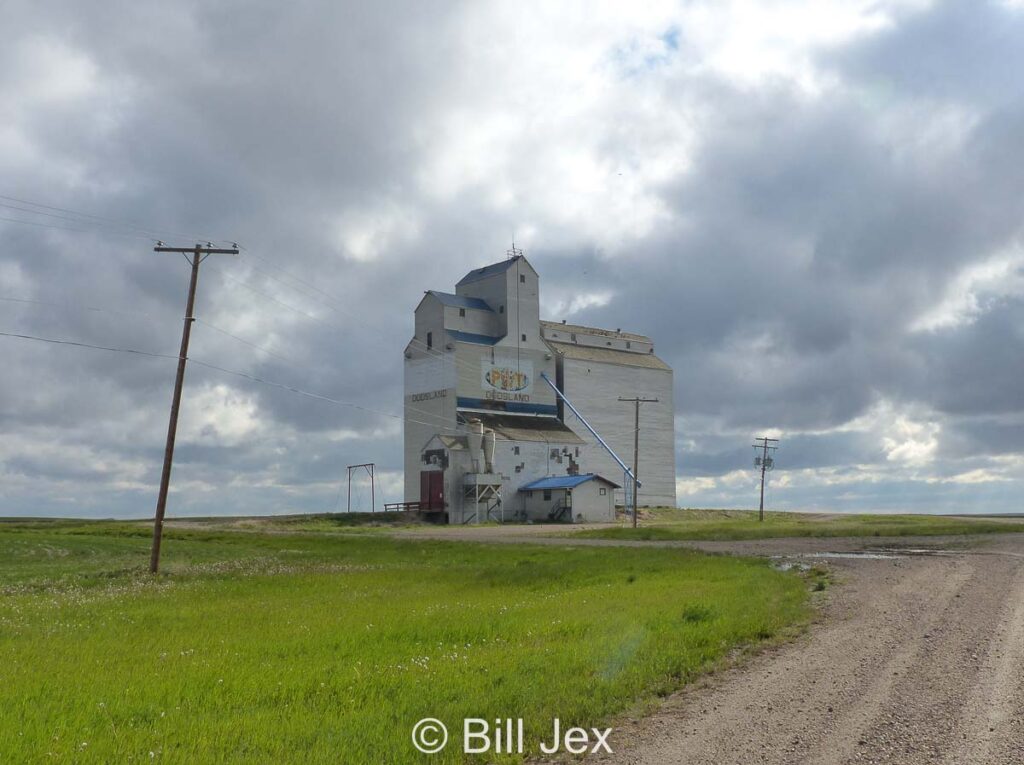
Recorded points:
765,463
198,255
636,401
370,468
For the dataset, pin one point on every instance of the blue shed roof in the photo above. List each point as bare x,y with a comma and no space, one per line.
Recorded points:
460,301
564,482
483,273
471,337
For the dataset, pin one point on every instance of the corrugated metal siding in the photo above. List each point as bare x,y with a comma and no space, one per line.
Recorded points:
594,388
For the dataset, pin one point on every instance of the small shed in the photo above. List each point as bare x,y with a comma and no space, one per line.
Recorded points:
569,499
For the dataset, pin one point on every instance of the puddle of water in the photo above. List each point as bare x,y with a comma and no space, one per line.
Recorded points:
859,554
918,551
789,565
787,562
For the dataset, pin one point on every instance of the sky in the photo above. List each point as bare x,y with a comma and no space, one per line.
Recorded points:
815,208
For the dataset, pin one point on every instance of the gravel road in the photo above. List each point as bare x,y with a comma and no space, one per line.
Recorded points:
915,659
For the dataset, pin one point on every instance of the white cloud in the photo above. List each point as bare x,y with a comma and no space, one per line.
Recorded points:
566,308
967,294
220,415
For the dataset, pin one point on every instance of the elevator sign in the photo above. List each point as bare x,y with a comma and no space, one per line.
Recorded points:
507,379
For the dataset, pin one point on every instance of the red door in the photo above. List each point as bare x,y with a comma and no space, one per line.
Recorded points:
432,489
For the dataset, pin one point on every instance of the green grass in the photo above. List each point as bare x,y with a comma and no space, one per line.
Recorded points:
326,648
668,524
320,522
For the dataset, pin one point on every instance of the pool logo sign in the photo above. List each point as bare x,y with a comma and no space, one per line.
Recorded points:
507,380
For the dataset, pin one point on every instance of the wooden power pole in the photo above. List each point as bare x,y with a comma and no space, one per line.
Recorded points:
765,463
198,255
636,401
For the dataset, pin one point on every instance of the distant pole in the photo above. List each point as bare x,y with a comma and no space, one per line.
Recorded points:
199,254
766,463
369,468
636,457
636,401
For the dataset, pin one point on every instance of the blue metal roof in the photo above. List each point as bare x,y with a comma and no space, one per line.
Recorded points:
470,337
460,301
564,482
483,273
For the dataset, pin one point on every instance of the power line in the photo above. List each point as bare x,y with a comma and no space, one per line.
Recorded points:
87,345
87,219
71,218
118,312
69,228
440,420
281,303
224,370
102,219
245,342
53,304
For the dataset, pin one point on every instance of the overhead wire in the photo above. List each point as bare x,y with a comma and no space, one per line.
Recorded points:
88,222
224,370
212,326
153,233
242,340
118,312
80,218
55,341
86,218
54,304
41,224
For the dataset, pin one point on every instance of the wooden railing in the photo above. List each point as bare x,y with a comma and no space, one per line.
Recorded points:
404,506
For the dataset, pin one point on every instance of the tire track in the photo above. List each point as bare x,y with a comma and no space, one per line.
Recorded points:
990,730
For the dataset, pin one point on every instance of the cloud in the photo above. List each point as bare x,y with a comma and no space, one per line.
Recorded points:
811,207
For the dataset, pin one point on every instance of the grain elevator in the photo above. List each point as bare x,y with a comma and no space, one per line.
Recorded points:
484,427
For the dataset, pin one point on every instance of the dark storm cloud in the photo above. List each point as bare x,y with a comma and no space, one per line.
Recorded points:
978,368
718,455
959,50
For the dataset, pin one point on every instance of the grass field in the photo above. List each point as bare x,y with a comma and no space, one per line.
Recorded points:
323,648
347,523
669,524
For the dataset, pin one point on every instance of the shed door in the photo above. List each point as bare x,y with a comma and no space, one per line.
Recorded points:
432,489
